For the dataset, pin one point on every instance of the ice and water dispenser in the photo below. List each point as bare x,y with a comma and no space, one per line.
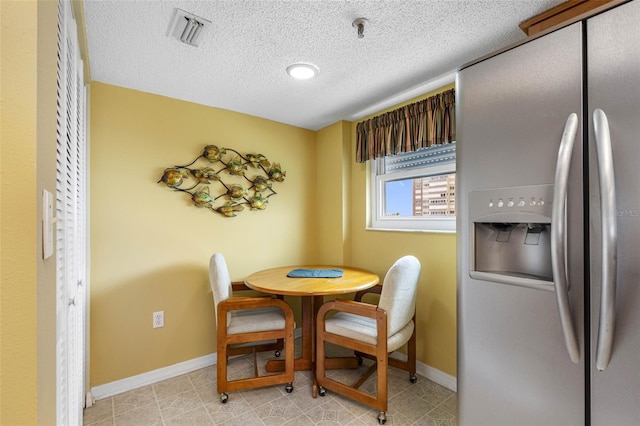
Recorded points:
511,236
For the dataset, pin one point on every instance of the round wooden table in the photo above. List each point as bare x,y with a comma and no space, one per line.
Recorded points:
312,290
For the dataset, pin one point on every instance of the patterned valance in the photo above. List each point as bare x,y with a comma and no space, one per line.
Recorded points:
422,124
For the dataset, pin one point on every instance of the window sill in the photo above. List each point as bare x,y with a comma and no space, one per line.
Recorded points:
420,231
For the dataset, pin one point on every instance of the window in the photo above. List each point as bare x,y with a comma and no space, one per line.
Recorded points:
415,190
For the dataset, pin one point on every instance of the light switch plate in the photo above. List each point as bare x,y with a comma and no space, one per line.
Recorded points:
47,224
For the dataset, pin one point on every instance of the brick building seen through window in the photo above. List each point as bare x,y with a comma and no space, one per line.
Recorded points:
435,195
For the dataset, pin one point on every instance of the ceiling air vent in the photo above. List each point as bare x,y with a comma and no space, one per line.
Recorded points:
187,27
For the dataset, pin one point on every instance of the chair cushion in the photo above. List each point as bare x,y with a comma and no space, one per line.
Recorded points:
364,329
254,320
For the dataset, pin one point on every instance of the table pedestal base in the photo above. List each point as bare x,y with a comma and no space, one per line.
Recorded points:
307,362
338,363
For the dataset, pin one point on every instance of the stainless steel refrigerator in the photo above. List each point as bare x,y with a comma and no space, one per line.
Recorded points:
548,151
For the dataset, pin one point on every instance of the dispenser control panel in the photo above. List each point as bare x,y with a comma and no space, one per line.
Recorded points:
533,200
511,236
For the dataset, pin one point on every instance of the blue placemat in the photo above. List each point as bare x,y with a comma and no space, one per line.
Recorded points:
316,273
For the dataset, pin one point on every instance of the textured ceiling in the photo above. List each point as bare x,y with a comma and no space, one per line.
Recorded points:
409,47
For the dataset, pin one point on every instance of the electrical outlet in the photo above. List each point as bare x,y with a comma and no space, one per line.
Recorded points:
158,319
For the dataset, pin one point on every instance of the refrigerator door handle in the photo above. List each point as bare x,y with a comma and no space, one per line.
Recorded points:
607,183
559,235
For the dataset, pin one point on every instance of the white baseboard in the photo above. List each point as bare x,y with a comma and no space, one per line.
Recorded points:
431,373
437,376
155,376
151,377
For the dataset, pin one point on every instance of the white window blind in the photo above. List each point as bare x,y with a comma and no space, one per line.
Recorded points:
425,157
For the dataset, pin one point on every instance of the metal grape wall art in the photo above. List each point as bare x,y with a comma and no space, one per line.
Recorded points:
243,180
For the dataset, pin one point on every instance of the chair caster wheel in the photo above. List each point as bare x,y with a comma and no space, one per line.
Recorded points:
322,391
413,378
277,354
360,360
289,388
224,398
382,419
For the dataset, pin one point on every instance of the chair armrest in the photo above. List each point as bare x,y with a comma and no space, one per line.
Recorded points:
242,286
343,305
239,286
376,289
240,303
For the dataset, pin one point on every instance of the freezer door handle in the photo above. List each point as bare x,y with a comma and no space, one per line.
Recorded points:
559,236
609,225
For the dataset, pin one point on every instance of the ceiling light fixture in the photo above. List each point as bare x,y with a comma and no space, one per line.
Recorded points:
359,24
302,70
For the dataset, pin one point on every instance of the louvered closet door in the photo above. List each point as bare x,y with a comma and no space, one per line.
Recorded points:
71,226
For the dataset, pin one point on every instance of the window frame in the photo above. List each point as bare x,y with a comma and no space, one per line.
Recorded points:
379,222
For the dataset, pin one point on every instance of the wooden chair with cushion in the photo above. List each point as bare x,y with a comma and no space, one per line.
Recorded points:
373,332
249,325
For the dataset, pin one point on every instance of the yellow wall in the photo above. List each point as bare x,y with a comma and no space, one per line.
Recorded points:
27,165
377,250
46,174
150,246
332,193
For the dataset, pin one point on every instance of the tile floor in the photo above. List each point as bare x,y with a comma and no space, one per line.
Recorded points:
192,399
